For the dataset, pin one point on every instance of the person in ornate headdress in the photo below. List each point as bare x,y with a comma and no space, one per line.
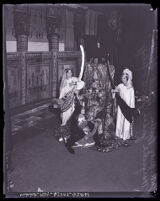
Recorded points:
124,128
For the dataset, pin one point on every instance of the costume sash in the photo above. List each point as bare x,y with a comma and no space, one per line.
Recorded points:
128,112
68,100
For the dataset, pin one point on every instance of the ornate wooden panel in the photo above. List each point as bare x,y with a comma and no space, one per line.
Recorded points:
38,80
40,76
13,80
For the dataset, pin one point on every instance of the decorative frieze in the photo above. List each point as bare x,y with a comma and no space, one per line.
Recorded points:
35,55
13,56
69,54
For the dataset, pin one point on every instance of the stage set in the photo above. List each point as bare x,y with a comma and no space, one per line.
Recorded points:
80,98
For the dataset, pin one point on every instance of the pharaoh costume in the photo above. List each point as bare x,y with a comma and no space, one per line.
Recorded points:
98,102
88,75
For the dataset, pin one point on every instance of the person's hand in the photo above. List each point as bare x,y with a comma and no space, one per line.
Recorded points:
114,91
72,84
97,122
76,93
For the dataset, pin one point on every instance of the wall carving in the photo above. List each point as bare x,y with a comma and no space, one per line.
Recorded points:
14,82
38,83
39,75
69,54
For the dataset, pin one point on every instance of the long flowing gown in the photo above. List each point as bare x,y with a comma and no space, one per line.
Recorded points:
67,95
99,104
124,128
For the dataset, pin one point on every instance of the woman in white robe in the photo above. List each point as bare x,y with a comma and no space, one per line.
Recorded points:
124,129
69,86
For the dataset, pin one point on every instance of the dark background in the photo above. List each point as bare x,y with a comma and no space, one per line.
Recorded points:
137,23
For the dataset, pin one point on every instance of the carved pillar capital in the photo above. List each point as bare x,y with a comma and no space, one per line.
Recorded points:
21,26
21,20
52,27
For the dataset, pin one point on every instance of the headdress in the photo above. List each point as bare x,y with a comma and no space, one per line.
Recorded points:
64,77
129,72
126,70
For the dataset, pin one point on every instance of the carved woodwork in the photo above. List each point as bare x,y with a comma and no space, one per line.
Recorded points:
21,26
41,73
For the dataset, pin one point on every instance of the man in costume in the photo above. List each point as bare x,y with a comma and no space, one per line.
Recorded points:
124,128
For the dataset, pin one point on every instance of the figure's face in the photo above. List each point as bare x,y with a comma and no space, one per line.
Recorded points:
83,111
90,90
89,67
100,67
96,60
86,130
125,78
90,116
69,74
96,90
103,60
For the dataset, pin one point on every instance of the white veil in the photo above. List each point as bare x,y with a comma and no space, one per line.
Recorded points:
62,81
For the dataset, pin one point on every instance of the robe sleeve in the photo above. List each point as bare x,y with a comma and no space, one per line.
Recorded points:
63,89
132,101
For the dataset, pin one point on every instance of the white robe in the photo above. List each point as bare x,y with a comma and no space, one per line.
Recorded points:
123,126
65,88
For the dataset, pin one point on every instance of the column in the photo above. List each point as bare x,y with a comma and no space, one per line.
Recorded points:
21,25
22,43
53,40
7,132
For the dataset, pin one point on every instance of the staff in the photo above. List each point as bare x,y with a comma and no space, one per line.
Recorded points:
82,64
